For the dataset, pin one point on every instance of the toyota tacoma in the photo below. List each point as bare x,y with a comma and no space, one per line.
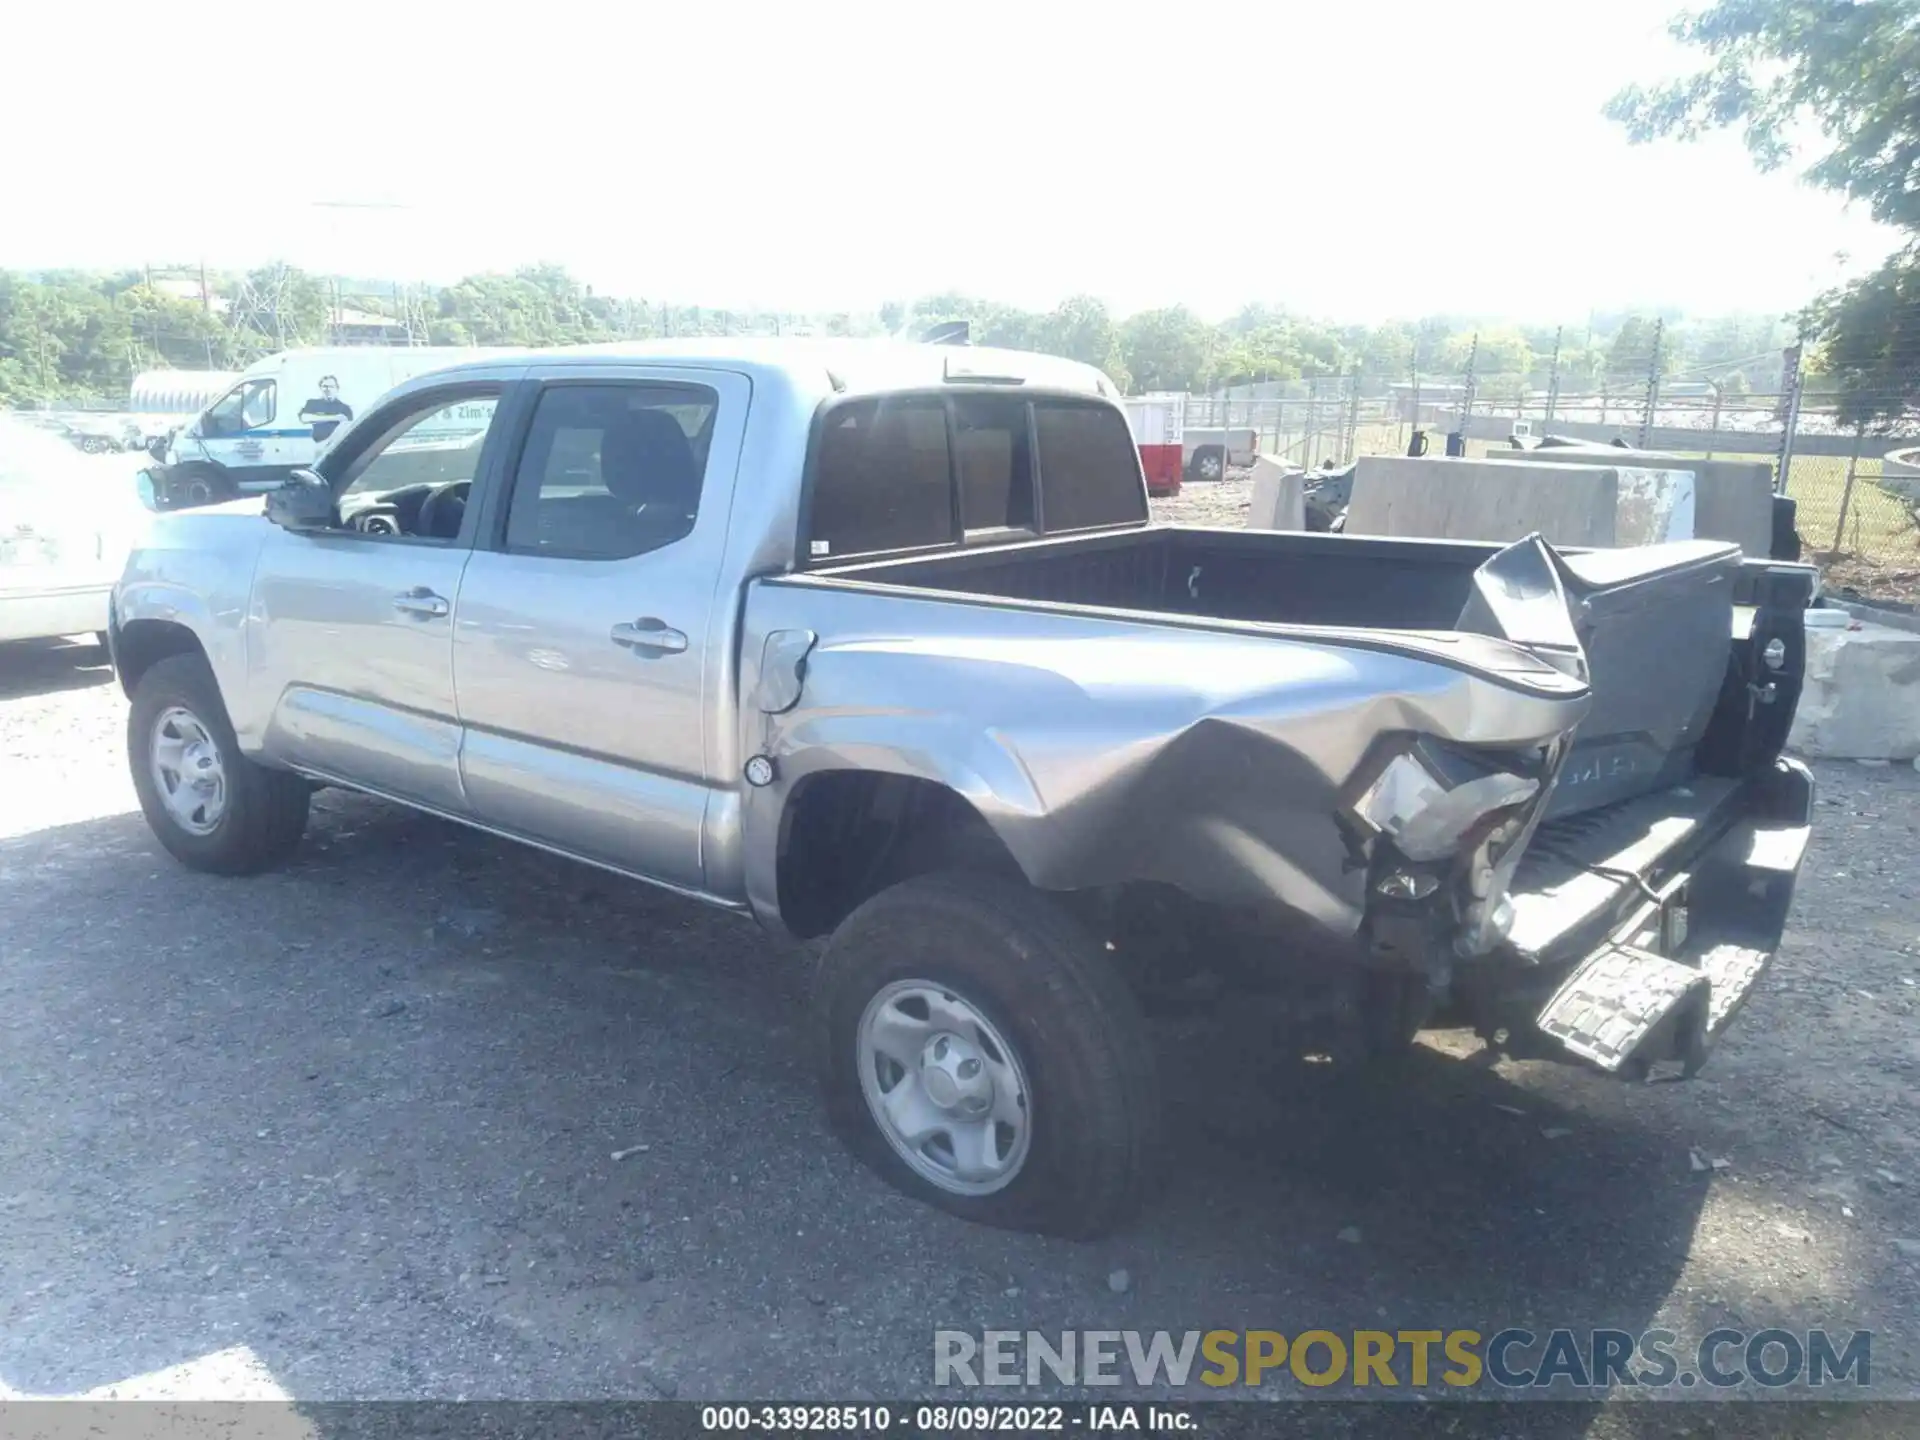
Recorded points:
877,644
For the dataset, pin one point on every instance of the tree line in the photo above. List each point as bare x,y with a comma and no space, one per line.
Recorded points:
67,336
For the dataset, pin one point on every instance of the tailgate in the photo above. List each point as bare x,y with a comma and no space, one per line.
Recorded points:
1651,625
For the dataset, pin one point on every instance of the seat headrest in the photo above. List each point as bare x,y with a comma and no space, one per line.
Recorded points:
646,459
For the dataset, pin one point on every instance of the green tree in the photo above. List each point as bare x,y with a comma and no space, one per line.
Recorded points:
1387,352
1167,349
1852,69
1869,350
1502,352
1631,351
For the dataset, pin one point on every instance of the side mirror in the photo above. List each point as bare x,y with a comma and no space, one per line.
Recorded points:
304,502
157,447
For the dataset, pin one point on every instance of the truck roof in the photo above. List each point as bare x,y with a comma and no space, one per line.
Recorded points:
840,366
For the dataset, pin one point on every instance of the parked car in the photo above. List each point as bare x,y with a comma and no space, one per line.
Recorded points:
1210,449
66,524
876,643
103,434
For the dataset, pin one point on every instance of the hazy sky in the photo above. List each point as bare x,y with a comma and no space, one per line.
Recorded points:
1356,159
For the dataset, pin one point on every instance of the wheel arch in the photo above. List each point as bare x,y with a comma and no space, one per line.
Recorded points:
846,834
143,642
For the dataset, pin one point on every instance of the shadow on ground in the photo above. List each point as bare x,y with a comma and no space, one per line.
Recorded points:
42,667
429,1115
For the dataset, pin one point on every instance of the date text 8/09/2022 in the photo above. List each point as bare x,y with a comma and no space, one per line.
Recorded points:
947,1419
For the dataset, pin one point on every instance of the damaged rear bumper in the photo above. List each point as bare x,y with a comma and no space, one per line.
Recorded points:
1638,938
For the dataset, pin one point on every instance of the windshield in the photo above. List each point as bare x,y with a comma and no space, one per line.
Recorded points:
247,406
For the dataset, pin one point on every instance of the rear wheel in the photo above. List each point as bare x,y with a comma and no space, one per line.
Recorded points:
981,1054
211,807
1209,463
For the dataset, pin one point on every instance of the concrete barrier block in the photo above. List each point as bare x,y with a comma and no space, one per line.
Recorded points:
1279,496
1733,499
1653,506
1861,700
1442,498
1900,473
1451,498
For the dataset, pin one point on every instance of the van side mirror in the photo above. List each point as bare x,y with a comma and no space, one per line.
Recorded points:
303,503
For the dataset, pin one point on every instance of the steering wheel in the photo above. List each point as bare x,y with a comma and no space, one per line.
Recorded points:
443,510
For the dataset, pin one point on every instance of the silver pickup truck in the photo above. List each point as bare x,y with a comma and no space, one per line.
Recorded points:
877,643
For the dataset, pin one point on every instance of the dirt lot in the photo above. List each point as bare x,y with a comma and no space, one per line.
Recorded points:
355,1121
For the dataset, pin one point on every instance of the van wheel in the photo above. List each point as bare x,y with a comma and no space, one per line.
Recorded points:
981,1054
1209,463
213,809
197,483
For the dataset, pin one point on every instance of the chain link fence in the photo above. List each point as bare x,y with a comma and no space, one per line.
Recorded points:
1857,486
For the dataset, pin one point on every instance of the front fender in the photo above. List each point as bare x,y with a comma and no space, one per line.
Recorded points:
194,571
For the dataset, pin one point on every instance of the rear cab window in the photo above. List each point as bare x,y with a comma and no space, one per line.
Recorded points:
911,472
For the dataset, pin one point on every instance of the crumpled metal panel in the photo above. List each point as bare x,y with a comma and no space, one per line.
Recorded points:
1105,750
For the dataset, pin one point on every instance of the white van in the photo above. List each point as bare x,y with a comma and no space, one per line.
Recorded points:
280,414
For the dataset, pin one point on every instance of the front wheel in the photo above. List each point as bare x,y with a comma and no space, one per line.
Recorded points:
196,483
981,1054
213,809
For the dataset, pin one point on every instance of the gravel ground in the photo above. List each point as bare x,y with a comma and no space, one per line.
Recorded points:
356,1124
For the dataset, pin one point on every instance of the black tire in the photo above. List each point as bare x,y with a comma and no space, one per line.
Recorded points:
197,483
1209,463
266,810
1036,975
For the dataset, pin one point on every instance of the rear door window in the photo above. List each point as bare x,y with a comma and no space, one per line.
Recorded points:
611,471
882,480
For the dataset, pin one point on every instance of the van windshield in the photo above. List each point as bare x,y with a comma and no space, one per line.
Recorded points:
247,406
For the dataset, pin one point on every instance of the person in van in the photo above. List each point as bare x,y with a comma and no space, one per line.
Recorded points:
326,411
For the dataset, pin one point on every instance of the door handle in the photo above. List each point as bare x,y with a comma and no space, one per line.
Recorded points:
649,633
420,601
